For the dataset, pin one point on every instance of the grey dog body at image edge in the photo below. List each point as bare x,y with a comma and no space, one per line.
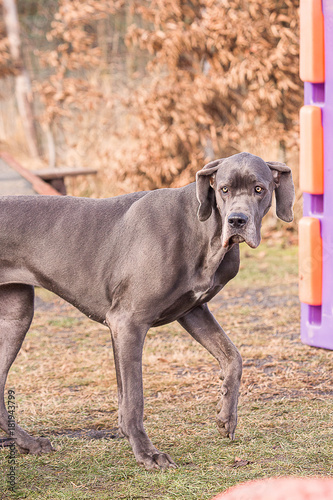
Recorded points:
133,262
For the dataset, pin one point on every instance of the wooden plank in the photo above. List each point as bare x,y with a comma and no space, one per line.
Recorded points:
12,183
59,173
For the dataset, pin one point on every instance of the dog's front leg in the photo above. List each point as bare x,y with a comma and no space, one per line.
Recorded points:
204,328
127,341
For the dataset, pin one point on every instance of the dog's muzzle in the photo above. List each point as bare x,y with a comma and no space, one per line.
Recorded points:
238,228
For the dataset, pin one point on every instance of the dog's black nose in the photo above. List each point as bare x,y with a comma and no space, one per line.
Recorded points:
237,220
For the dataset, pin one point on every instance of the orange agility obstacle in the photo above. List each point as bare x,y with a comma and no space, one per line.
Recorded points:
316,174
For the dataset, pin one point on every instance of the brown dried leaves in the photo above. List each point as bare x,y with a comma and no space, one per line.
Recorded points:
222,71
76,49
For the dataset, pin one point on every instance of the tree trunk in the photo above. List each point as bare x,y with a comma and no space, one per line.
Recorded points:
130,55
22,80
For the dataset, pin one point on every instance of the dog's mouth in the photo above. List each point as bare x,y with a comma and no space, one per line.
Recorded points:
248,233
238,238
234,239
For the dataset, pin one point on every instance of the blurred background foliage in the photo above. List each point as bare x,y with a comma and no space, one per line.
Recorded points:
148,91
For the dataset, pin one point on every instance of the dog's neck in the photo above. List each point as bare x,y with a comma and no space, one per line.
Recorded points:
215,251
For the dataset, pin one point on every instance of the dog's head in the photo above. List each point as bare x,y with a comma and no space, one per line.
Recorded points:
241,188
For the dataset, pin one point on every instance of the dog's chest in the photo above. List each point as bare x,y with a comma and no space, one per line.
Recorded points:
205,283
202,296
185,303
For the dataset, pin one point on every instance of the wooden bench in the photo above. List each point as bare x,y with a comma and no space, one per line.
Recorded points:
56,176
17,180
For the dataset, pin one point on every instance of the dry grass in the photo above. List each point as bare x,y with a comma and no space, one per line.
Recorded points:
65,386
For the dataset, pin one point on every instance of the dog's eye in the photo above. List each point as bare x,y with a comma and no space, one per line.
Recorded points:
258,189
224,189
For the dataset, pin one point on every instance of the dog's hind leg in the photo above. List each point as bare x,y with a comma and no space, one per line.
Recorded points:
16,313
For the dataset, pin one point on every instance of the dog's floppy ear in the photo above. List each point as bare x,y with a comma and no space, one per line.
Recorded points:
205,194
284,190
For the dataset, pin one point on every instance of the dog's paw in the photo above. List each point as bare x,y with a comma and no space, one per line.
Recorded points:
227,415
36,446
227,427
156,461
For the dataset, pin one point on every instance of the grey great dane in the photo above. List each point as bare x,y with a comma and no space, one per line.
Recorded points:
133,262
